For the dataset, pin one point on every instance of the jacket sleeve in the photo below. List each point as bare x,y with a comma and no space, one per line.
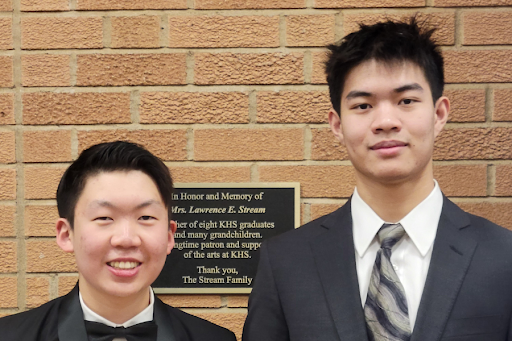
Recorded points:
265,320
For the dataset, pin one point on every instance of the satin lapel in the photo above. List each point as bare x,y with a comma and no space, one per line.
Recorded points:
168,328
71,318
451,257
334,255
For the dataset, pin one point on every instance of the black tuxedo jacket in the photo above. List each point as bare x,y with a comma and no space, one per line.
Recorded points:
306,288
62,319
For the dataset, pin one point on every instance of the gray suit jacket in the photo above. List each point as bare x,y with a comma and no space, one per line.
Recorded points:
306,288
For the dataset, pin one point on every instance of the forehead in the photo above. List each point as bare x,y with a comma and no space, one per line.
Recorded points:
383,76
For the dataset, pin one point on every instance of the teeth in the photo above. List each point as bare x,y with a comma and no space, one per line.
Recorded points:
124,265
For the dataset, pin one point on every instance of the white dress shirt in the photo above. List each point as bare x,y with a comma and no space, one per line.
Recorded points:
144,316
410,256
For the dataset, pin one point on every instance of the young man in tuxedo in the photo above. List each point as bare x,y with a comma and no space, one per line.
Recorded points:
399,261
114,204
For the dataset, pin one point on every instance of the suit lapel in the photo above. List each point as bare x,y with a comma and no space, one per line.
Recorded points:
334,256
71,318
168,328
451,256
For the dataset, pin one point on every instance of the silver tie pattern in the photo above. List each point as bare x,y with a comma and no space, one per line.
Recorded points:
386,312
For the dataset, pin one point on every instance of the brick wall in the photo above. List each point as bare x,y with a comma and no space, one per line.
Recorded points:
222,90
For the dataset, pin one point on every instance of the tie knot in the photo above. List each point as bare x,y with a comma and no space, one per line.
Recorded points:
390,234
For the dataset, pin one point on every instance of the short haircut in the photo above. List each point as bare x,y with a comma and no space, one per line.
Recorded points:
111,157
389,42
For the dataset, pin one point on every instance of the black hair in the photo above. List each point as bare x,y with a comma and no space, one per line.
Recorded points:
110,157
388,42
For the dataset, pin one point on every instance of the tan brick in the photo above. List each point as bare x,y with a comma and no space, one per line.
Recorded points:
293,106
248,144
466,105
6,34
131,69
479,66
318,74
45,70
224,31
238,301
6,75
8,254
41,181
130,4
47,146
324,146
7,184
319,210
443,22
471,3
503,180
6,5
368,3
315,181
41,33
497,212
136,32
7,109
76,108
487,28
249,4
44,5
7,220
40,220
66,284
502,104
249,68
462,180
210,174
192,301
309,30
8,292
474,144
8,147
194,107
167,144
46,256
231,321
38,291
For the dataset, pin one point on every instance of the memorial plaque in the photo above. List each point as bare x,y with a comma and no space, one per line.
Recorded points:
220,229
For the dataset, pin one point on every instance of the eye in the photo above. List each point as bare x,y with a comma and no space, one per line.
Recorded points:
363,106
103,218
147,217
407,101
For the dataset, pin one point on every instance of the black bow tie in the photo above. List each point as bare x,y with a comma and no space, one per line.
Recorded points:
145,331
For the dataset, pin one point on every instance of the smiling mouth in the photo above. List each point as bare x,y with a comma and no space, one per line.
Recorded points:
123,265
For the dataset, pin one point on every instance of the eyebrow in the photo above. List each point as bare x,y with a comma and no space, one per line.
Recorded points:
403,88
104,203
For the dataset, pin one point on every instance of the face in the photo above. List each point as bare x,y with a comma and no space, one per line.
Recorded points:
389,122
121,234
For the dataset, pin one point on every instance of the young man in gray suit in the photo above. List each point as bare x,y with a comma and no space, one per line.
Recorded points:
399,261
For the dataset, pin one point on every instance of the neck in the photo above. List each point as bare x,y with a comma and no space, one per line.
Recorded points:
113,308
393,201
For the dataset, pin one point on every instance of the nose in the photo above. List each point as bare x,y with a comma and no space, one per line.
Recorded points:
125,235
386,119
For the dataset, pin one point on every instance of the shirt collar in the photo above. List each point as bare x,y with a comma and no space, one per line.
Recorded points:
420,224
144,316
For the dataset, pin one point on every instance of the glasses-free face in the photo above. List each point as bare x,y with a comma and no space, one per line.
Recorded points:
389,122
120,239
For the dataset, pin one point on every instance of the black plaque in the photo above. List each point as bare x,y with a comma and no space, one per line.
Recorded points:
220,229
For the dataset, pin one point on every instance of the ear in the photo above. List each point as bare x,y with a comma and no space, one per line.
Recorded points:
64,235
442,110
172,230
335,123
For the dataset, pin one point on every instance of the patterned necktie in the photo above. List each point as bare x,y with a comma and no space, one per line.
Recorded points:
386,312
146,331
